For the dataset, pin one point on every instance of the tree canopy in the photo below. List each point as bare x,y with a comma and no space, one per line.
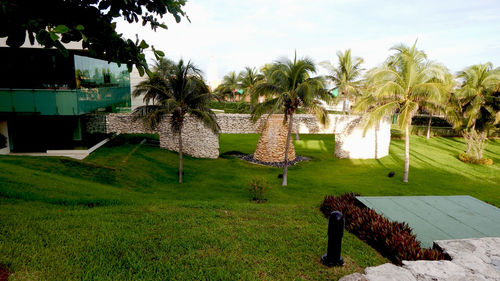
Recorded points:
53,22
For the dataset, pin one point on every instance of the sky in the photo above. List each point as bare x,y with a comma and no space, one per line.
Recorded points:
227,35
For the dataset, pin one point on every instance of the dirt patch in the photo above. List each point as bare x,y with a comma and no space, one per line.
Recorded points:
4,273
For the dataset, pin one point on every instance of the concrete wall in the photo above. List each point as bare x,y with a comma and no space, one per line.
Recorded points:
135,79
4,131
354,142
198,141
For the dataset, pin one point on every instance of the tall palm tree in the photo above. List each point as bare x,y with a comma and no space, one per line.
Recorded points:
249,78
479,84
289,86
346,75
177,91
230,84
401,84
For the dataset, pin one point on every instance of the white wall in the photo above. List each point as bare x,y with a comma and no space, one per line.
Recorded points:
354,142
4,131
135,79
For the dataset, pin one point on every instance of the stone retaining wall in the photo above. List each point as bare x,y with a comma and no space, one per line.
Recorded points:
303,123
95,123
123,123
199,141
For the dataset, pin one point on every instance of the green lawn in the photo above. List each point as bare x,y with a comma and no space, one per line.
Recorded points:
120,215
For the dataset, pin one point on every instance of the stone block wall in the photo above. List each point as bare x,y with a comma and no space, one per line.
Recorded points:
94,123
303,123
199,141
239,124
123,123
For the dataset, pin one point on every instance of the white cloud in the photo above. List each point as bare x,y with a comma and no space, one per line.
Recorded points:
235,34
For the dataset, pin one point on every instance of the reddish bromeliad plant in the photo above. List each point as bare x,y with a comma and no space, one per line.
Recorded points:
393,240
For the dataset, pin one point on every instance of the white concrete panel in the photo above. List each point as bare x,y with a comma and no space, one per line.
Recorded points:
4,130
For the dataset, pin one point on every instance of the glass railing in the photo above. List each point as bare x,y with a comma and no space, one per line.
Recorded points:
61,102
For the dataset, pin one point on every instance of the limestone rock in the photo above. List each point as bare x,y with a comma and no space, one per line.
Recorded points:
388,272
272,143
354,277
437,270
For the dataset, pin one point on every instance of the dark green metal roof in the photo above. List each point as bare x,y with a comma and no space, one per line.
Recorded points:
439,217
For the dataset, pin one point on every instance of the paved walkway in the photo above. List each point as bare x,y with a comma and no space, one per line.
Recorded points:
472,260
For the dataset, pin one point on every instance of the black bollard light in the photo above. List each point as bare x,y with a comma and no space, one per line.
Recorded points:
335,233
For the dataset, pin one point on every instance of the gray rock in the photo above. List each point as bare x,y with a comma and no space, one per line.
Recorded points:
388,272
354,277
437,270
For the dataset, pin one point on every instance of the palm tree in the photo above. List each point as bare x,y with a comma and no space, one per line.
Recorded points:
479,84
177,91
230,84
444,106
288,87
405,81
346,76
249,78
163,66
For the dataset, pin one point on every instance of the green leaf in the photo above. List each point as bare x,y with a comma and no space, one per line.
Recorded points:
160,53
143,45
60,29
54,36
80,27
140,69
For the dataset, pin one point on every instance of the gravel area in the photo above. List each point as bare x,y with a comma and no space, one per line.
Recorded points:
249,158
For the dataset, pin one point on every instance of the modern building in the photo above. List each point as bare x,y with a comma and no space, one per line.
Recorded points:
46,97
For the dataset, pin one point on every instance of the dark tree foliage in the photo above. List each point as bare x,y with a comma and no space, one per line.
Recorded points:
53,22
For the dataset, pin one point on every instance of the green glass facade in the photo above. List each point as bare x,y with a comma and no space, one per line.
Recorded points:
62,102
93,84
45,95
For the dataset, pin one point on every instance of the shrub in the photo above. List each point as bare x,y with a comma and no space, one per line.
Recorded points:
476,141
424,120
397,134
258,188
484,161
393,240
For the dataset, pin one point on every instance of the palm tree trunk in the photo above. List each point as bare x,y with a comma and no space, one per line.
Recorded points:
344,105
287,147
429,127
407,153
180,155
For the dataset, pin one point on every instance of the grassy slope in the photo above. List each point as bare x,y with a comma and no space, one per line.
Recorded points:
149,227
